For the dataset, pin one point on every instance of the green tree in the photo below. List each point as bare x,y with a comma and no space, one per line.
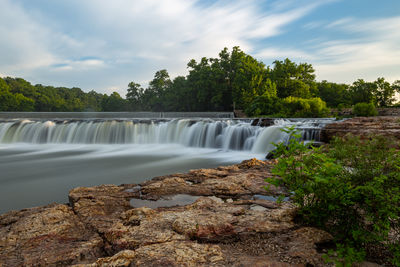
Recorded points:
19,85
293,79
384,93
179,96
396,86
93,101
134,96
114,102
154,94
202,82
233,78
4,86
334,94
24,103
363,92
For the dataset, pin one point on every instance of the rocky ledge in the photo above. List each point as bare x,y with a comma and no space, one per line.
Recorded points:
363,126
207,217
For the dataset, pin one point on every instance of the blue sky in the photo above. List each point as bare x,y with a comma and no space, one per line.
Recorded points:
103,45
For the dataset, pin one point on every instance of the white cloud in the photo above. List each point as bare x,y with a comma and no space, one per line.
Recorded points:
368,49
22,44
270,54
129,40
82,64
373,52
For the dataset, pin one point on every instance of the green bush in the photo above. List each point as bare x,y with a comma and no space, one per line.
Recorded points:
350,188
288,107
263,105
306,108
364,110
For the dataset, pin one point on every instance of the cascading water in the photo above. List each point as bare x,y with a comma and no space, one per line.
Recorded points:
42,159
222,134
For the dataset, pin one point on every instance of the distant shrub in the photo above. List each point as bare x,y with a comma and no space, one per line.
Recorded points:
288,107
364,110
305,107
341,106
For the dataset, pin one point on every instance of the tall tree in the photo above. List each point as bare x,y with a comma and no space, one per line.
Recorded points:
114,102
154,94
363,92
293,79
179,96
384,93
334,94
134,96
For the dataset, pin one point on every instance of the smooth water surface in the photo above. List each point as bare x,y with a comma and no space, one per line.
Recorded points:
38,174
42,159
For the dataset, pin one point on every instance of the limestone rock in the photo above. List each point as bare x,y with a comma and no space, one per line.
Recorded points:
363,126
50,235
122,258
100,206
148,228
175,253
247,178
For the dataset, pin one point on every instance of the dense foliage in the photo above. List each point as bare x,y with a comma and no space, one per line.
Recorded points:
233,80
16,94
365,110
350,188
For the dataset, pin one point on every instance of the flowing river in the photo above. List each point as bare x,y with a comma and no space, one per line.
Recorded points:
41,159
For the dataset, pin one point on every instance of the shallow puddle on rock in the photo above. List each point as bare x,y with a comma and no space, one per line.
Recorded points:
176,200
134,189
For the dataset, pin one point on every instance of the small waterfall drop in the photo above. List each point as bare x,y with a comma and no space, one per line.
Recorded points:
205,133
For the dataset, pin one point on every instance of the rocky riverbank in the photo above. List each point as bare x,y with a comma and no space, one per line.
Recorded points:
363,126
207,217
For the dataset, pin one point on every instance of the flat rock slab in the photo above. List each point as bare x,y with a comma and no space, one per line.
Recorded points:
247,178
363,126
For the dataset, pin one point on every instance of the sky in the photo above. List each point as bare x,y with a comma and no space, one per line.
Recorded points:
103,45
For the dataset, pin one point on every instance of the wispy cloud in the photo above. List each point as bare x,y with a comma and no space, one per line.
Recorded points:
22,43
80,64
130,40
366,48
373,52
103,45
271,54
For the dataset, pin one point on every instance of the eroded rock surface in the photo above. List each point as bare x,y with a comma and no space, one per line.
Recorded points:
247,178
226,225
50,235
363,126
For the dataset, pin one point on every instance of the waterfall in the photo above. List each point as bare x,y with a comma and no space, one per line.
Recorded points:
223,134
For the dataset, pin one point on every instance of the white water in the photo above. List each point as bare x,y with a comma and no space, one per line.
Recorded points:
40,161
226,134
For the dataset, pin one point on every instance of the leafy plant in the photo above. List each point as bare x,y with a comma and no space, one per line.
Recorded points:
350,188
301,107
365,109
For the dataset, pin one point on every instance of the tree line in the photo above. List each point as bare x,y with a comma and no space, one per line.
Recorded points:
17,94
233,80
